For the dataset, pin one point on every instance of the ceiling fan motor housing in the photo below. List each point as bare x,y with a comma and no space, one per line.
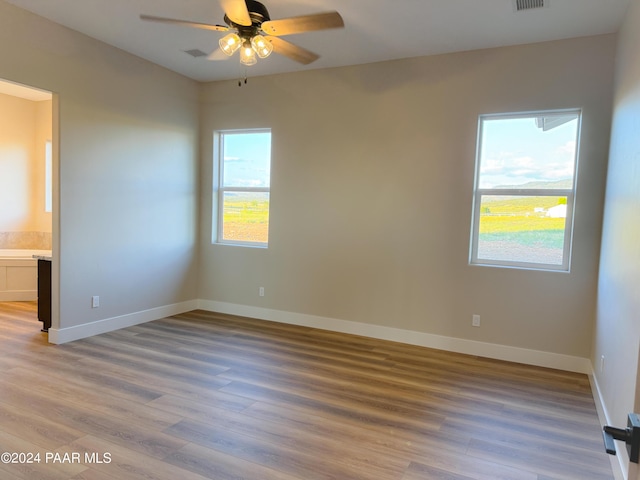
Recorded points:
258,14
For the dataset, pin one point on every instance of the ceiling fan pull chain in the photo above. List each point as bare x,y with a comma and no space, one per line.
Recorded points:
243,79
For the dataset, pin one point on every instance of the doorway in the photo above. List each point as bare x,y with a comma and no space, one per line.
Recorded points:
634,468
27,184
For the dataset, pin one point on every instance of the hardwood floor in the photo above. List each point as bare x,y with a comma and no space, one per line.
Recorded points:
202,395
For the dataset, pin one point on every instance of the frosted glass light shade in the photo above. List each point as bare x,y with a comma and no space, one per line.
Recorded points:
247,55
230,43
261,46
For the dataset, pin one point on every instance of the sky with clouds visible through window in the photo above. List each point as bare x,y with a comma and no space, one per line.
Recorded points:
515,151
247,159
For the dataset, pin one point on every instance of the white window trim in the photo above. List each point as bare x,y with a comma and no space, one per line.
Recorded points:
569,193
48,180
219,189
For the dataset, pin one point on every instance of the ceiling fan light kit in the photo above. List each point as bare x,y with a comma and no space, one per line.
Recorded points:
251,30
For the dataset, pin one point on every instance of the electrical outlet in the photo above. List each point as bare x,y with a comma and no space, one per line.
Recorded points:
475,321
95,301
261,291
602,364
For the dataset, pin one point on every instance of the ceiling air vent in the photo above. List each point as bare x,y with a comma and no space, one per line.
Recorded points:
199,53
522,5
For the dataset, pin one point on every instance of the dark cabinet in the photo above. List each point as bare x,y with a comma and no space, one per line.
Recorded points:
44,293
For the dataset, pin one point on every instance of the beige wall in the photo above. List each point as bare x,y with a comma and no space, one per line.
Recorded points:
618,315
24,124
43,133
372,177
125,211
17,119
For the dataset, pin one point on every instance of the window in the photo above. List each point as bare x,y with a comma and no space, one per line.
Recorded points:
48,177
525,189
242,184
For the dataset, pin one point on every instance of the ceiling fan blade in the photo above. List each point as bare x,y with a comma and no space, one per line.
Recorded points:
217,54
236,11
304,23
294,52
186,23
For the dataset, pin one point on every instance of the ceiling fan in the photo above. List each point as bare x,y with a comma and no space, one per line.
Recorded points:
252,31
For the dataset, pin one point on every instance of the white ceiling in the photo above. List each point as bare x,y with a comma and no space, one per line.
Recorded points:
375,30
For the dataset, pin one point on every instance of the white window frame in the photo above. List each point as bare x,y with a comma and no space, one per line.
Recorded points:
48,176
570,194
220,189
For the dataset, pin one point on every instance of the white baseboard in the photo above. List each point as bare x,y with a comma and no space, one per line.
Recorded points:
618,461
69,334
458,345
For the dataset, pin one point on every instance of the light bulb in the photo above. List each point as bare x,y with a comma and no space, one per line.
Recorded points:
230,43
247,54
261,46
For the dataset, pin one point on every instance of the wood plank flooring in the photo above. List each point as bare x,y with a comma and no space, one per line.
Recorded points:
207,396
